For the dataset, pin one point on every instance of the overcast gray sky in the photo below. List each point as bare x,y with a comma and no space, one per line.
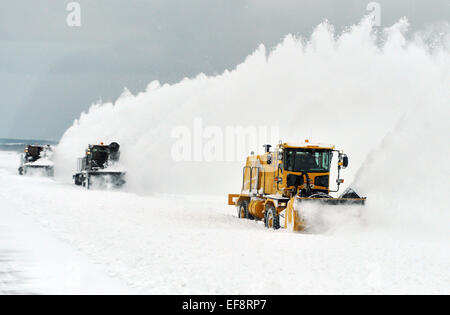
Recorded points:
50,72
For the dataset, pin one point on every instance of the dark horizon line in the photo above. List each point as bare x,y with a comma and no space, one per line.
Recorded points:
30,140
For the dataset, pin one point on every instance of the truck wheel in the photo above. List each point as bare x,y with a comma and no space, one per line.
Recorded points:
84,181
88,182
243,210
20,170
272,218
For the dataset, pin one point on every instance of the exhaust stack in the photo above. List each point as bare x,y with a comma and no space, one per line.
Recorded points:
267,148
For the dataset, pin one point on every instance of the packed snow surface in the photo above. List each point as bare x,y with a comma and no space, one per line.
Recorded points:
35,261
196,244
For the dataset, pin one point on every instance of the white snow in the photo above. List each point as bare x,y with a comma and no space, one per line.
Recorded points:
386,105
347,89
35,261
41,162
195,244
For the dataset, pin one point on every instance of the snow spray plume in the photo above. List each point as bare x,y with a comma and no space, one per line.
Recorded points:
406,176
345,89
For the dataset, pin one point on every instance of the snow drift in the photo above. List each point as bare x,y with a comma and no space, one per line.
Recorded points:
356,89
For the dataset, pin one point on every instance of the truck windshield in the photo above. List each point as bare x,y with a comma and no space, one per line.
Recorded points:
34,153
307,160
100,155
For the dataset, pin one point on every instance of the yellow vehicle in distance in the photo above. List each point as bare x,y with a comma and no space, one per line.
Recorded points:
283,179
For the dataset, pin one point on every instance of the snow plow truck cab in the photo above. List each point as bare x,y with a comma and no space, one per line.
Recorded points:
37,158
277,183
99,167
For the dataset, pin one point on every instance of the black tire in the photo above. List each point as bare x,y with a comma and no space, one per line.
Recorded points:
83,180
243,210
50,172
88,182
20,170
78,181
271,218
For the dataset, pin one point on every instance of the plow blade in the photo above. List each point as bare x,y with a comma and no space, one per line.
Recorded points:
295,219
41,170
335,201
348,197
105,179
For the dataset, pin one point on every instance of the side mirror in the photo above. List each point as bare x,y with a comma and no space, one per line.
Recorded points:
345,161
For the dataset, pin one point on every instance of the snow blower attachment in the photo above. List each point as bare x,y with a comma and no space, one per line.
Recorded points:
99,167
36,159
281,182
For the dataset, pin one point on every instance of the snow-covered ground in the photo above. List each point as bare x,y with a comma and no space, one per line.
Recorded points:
196,245
35,261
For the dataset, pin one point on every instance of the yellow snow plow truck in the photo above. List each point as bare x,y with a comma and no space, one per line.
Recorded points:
277,183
